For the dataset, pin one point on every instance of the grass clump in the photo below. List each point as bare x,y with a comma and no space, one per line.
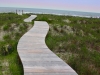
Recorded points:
6,27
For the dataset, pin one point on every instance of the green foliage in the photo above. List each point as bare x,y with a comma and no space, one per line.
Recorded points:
51,19
14,66
6,37
6,27
83,44
7,20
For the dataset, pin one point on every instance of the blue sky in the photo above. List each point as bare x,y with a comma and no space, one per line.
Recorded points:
75,5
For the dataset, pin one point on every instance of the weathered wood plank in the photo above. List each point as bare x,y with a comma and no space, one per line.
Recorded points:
30,18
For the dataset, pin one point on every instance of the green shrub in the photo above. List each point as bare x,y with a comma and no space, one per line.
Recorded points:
6,27
7,37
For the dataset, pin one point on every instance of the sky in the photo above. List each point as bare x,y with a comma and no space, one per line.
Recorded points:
74,5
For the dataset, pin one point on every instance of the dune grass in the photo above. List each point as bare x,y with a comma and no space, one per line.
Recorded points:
76,40
13,27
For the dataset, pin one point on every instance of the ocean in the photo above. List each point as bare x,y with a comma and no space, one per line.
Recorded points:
50,11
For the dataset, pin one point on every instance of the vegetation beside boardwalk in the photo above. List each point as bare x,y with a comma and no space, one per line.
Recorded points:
76,40
12,28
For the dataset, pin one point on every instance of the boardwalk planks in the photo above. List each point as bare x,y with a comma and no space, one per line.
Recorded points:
36,57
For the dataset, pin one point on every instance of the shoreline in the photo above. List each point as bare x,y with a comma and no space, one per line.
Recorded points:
56,14
60,14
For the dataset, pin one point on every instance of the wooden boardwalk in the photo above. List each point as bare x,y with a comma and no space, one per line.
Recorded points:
36,57
30,18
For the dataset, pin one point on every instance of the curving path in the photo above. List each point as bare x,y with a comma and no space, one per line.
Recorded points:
30,18
36,57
